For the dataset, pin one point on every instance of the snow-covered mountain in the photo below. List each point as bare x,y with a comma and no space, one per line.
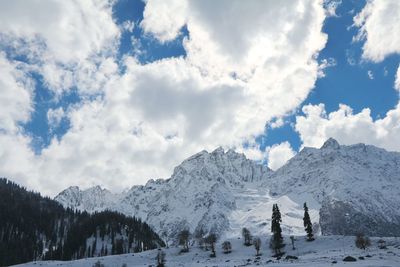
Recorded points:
199,195
357,187
347,188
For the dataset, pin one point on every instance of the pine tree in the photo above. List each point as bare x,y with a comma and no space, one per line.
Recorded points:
276,242
308,224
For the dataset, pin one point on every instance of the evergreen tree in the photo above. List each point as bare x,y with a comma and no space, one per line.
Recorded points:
308,224
276,242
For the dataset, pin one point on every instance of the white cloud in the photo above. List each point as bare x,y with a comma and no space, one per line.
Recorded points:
54,116
65,41
279,122
70,30
370,74
237,75
316,126
379,22
128,25
279,154
397,81
15,96
325,63
331,6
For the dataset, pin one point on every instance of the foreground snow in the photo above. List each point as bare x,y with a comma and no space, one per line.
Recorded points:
322,252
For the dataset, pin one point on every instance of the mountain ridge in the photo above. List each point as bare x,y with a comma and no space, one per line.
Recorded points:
214,191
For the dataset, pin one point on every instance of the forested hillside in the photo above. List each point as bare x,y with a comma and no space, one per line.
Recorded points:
33,227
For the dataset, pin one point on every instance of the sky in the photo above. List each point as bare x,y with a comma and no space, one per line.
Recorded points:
115,93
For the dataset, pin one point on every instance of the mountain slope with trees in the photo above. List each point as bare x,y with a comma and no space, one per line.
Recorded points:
33,227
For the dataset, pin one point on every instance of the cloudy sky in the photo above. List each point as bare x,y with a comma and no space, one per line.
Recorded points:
117,92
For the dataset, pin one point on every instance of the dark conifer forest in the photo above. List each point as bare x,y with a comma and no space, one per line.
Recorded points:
33,227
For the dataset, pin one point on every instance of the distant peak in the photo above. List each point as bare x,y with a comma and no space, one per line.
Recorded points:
219,150
331,143
72,188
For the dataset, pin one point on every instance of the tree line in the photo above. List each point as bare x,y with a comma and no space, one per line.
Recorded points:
276,242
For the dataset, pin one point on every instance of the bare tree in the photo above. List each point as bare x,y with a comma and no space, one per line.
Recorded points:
183,238
362,241
246,236
257,245
211,239
164,235
160,258
292,239
227,247
199,235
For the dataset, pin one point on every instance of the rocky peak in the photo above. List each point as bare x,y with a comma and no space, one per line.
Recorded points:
331,144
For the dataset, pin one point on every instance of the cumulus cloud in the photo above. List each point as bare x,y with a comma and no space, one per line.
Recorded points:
279,154
316,126
15,97
378,22
64,41
69,30
236,76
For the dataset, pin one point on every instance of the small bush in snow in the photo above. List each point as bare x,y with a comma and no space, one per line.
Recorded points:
382,244
227,247
98,264
362,241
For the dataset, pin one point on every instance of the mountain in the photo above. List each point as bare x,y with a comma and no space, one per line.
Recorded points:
347,188
199,195
356,187
33,227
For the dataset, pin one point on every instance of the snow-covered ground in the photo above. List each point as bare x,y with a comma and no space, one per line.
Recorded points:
322,252
253,211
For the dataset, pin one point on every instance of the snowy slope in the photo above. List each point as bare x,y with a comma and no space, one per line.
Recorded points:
322,252
223,192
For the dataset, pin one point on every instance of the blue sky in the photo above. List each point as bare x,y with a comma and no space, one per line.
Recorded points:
129,89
